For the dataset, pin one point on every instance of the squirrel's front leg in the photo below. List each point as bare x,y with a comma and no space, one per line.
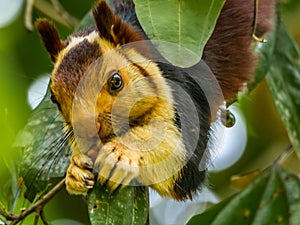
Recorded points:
79,177
116,164
147,154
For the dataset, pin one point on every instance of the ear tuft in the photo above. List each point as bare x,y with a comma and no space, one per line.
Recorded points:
111,27
50,37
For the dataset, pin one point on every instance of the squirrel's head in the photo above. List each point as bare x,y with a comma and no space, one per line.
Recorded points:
102,75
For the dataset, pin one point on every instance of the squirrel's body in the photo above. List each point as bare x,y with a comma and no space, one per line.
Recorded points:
125,109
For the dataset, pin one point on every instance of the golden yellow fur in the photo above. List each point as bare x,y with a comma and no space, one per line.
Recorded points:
152,152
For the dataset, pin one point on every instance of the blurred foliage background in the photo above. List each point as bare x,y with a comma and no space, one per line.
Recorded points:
23,59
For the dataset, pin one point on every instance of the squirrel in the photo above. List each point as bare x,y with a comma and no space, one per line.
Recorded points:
129,122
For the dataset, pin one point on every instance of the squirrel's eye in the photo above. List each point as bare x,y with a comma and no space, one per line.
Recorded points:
115,82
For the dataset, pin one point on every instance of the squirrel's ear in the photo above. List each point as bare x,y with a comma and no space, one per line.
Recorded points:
50,37
111,27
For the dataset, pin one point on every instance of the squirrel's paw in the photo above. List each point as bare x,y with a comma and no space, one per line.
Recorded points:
116,164
79,178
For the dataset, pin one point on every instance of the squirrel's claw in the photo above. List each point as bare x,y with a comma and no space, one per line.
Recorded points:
79,178
116,167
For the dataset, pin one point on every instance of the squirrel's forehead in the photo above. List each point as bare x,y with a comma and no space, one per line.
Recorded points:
84,46
74,61
75,42
83,50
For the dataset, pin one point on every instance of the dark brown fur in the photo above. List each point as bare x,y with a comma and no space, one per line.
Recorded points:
50,37
228,52
112,28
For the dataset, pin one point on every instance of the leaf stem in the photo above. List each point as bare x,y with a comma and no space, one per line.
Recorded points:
28,14
289,149
42,215
70,20
255,21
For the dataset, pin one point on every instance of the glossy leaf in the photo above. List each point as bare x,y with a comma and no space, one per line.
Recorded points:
284,82
45,154
187,24
279,59
273,198
127,206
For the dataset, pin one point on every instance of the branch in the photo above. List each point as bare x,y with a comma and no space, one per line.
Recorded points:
70,20
36,207
42,214
287,151
4,212
53,9
28,14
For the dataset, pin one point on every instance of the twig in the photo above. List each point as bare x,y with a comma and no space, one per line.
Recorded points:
4,212
289,149
255,20
53,9
36,218
42,215
28,14
36,207
64,14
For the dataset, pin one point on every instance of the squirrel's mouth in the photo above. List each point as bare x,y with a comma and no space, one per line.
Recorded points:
92,153
104,130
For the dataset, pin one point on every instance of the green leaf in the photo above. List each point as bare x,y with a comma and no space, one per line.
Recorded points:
188,24
126,206
284,82
273,198
45,154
